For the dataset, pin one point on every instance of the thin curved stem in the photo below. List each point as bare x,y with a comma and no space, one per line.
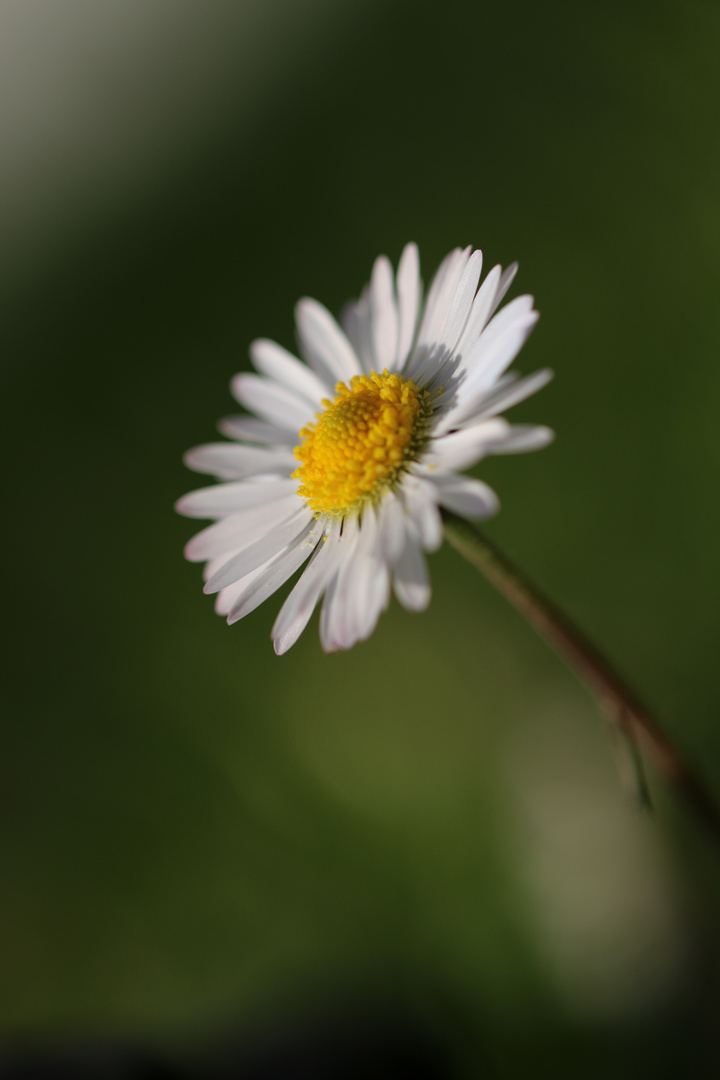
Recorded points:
631,717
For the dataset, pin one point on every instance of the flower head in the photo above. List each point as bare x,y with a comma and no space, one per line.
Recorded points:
349,456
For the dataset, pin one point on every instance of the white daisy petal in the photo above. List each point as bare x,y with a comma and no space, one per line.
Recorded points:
506,280
376,461
409,290
300,604
462,301
266,547
419,498
453,408
238,531
510,314
410,577
373,588
391,539
324,344
489,359
226,599
466,496
213,565
510,393
480,312
336,617
224,499
359,593
461,449
268,578
523,437
249,429
330,601
383,315
284,368
272,402
440,295
230,461
371,593
356,324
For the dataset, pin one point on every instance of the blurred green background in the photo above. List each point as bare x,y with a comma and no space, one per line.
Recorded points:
197,835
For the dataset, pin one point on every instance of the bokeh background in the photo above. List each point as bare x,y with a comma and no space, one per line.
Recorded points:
419,851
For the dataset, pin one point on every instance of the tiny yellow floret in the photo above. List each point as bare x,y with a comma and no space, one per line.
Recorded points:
362,441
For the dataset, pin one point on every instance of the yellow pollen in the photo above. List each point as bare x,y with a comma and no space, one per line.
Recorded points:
362,441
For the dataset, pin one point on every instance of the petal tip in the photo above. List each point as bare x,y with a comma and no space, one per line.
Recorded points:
190,551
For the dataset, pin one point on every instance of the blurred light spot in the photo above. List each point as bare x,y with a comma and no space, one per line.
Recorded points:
100,102
600,895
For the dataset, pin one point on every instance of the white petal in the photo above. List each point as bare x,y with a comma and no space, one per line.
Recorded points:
300,604
466,496
383,315
232,596
330,602
266,547
461,449
213,565
324,344
278,364
230,461
268,578
439,299
504,396
480,312
273,402
431,316
440,296
356,323
238,531
224,499
449,410
489,396
250,429
516,315
373,585
508,276
419,498
511,313
410,579
227,597
359,593
522,438
409,292
391,518
491,357
462,301
336,622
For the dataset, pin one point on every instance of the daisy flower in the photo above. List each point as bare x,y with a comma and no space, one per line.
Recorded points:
348,457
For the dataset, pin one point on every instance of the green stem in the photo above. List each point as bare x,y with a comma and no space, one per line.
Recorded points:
631,717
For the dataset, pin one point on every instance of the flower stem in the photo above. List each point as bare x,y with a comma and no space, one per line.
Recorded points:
631,717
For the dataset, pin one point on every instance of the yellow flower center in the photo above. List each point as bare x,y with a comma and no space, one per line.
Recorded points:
361,442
